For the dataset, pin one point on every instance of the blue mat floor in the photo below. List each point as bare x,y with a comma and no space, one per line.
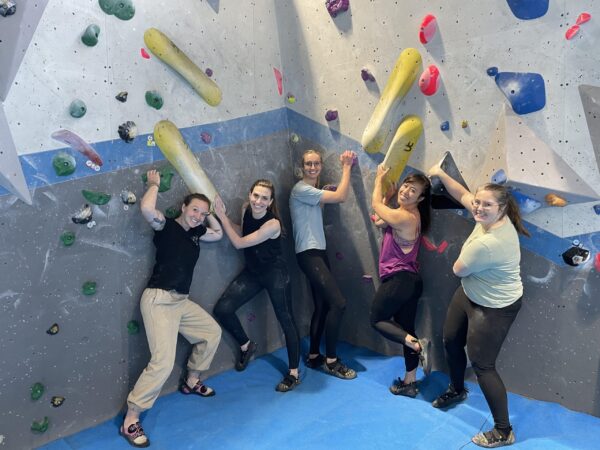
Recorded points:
327,413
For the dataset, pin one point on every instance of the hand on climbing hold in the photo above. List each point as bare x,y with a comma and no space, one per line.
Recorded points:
347,158
219,206
153,177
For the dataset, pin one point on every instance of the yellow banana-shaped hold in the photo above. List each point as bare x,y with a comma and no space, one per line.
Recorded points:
383,120
167,51
401,148
171,144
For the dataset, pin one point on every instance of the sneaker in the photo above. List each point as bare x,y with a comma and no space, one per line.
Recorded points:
424,355
407,390
340,370
449,398
493,439
288,383
315,363
135,435
245,356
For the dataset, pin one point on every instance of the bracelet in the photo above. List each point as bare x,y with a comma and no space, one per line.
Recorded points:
153,184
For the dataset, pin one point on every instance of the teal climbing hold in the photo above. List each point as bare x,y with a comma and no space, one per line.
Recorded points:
63,164
77,108
88,288
154,99
90,35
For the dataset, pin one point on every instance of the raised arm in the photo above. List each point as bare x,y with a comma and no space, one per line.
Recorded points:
341,193
454,188
214,232
392,216
153,216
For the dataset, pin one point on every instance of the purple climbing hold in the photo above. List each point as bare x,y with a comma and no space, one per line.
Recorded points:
330,187
339,256
334,7
492,71
499,177
366,74
525,91
206,137
597,209
528,9
331,115
208,72
445,126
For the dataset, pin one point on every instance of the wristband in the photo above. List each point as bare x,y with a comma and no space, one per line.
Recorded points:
153,184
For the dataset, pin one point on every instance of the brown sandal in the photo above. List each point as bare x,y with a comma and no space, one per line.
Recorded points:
135,435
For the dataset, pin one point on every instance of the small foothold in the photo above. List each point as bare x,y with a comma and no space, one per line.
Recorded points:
67,238
128,131
91,224
492,71
250,317
464,124
583,18
374,217
172,212
122,96
150,141
63,164
208,72
96,198
334,7
366,74
41,426
597,209
154,99
165,180
77,109
128,197
445,126
279,79
56,401
428,244
133,327
7,8
37,390
555,200
339,256
294,138
291,99
499,177
572,32
575,242
576,255
330,187
443,246
90,35
83,216
331,115
144,53
54,329
88,288
206,137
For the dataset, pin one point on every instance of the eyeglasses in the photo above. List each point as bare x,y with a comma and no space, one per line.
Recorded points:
312,163
483,205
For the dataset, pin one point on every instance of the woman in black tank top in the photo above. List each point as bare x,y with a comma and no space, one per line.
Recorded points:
260,237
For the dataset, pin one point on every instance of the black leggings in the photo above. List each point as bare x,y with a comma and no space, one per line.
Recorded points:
243,288
483,330
330,304
394,310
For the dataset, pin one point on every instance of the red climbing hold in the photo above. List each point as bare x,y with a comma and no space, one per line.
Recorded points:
144,53
279,79
428,29
583,18
597,262
428,244
430,80
571,32
443,246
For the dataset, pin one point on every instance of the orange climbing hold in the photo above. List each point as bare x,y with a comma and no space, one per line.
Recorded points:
555,200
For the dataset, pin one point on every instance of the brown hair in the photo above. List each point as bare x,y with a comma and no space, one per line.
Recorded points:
273,206
511,208
188,198
311,152
424,205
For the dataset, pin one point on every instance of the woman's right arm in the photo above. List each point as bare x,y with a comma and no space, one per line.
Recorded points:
454,188
341,193
153,216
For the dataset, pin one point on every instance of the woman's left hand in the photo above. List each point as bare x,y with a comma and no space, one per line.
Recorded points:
381,171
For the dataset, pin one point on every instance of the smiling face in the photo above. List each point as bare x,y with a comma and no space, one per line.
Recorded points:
410,193
193,214
260,199
311,166
485,208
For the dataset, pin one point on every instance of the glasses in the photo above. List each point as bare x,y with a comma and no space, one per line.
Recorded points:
483,205
312,163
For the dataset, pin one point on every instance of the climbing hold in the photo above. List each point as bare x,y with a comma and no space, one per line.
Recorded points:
525,91
334,7
54,329
159,44
128,131
279,79
41,426
7,8
427,29
464,124
90,35
403,143
443,246
428,244
76,143
445,126
597,209
144,53
250,317
128,197
576,255
429,82
91,224
77,108
339,256
88,288
555,200
96,198
366,74
56,401
526,204
330,187
294,138
374,217
571,32
165,179
122,9
133,327
597,262
37,390
583,18
499,177
206,137
527,10
172,212
208,72
492,71
122,96
154,99
291,99
67,238
63,164
150,141
331,115
84,215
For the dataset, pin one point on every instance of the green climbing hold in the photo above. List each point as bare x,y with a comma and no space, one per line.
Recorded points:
77,108
88,288
165,180
133,327
90,35
40,427
67,238
172,212
97,198
154,99
64,164
37,390
123,9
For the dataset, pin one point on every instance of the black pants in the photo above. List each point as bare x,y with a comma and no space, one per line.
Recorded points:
394,310
329,302
483,330
243,288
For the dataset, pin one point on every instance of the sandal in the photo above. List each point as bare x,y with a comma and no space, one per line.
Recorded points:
199,388
316,362
288,383
493,439
135,435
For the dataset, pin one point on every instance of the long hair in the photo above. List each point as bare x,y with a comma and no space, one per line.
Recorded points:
511,208
311,152
424,205
273,206
188,198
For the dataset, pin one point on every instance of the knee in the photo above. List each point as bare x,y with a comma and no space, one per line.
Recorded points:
480,368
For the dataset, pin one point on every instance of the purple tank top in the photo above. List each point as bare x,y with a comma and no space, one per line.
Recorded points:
392,259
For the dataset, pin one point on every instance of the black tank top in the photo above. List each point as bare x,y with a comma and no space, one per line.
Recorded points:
266,253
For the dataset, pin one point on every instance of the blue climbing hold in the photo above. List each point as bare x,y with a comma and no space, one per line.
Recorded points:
525,91
597,209
445,126
526,204
528,9
499,177
492,71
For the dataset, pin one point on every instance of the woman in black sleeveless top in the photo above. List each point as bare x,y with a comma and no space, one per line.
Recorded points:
260,237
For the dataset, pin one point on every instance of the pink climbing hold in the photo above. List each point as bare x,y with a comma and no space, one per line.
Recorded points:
430,80
428,244
571,32
428,29
583,18
144,53
443,246
597,262
279,79
206,137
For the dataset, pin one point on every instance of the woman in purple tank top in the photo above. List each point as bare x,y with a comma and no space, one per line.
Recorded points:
395,304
